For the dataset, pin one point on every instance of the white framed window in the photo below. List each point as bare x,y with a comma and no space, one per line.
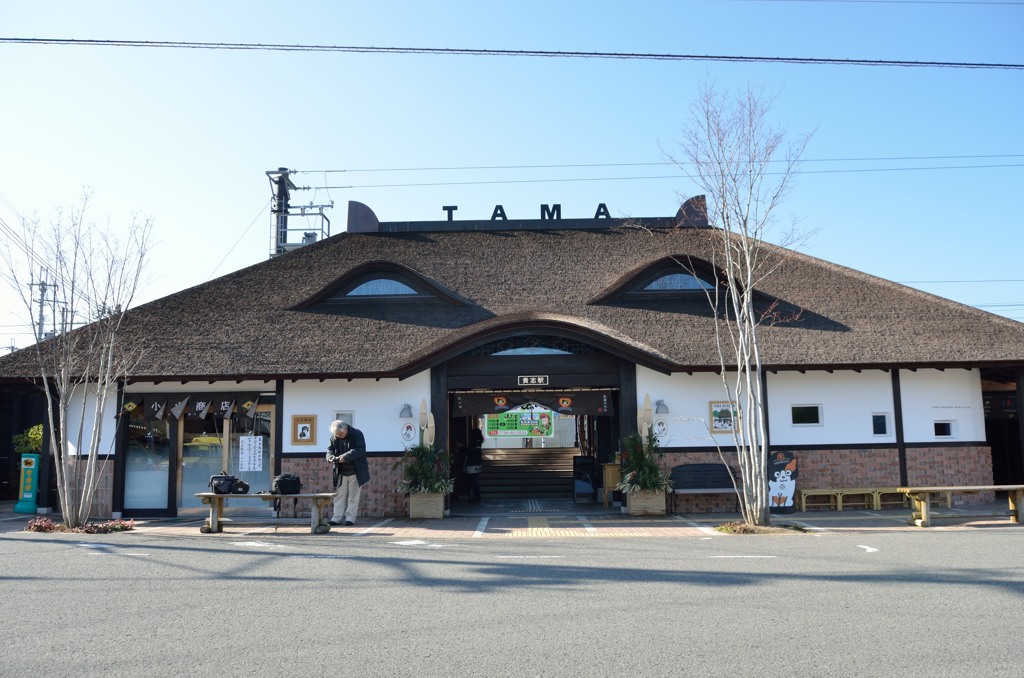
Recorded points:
945,429
880,423
807,415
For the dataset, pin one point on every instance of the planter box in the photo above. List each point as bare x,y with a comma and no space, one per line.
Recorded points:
646,503
426,505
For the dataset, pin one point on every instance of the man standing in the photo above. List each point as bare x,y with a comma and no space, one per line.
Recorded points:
347,452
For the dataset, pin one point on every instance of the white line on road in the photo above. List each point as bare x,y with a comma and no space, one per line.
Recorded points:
480,527
867,548
371,528
529,557
742,556
703,528
586,525
809,527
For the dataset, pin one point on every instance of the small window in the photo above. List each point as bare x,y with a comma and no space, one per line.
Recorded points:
880,424
677,282
382,287
943,429
806,415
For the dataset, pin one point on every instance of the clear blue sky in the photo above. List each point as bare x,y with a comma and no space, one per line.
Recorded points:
186,136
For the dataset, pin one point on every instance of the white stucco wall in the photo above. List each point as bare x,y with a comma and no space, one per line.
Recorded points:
847,401
688,398
375,406
83,405
950,395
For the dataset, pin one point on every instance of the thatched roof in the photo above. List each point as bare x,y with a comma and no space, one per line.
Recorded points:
270,320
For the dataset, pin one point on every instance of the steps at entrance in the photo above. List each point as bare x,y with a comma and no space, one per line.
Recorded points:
527,473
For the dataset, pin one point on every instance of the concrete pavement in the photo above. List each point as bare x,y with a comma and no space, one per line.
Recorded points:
553,519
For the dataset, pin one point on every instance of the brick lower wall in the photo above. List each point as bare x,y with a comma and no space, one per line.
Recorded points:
859,468
378,499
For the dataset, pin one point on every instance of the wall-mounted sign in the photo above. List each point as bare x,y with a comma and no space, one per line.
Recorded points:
535,380
533,423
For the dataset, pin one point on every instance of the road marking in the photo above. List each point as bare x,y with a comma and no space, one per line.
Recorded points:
867,548
742,556
703,528
809,527
586,525
371,528
411,542
296,555
260,544
528,557
480,527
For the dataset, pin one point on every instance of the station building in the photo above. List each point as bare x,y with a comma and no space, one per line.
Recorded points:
868,382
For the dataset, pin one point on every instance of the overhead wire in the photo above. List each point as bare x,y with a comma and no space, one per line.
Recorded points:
468,51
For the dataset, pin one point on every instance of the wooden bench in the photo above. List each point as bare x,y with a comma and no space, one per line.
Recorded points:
871,497
701,479
836,496
317,522
922,498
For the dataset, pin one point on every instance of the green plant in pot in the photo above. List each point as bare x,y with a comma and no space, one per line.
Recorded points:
29,442
425,470
641,470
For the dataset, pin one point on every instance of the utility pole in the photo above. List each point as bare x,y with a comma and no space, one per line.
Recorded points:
43,287
281,208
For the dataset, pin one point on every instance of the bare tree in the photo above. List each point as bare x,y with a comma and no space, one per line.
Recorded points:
93,277
745,168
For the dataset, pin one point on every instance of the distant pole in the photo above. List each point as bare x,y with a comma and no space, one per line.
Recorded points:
281,208
43,287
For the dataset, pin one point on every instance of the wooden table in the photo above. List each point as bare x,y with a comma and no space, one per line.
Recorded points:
317,523
612,476
922,499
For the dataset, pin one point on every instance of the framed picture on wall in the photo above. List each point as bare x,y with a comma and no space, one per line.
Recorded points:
723,416
346,416
303,429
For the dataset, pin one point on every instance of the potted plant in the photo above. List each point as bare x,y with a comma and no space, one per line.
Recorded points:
643,480
31,441
426,478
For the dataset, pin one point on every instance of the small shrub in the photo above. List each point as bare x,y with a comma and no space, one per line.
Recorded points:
106,527
40,524
740,527
44,524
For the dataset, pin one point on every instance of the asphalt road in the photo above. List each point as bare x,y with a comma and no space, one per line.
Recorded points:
922,603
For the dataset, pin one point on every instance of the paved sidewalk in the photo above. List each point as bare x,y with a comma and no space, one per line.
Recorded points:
587,523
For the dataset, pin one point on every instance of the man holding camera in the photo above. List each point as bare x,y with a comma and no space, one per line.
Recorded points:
347,453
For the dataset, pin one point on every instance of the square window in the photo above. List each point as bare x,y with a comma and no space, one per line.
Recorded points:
943,429
806,415
880,424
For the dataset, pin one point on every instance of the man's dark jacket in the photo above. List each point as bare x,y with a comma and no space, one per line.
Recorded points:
350,455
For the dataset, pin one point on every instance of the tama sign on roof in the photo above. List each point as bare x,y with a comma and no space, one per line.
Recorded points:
547,212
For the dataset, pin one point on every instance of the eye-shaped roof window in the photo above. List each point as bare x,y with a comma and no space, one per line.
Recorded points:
669,278
677,282
379,282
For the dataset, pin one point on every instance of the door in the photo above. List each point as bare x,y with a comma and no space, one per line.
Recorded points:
237,445
149,459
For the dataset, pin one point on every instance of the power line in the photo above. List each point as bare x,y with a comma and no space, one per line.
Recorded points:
643,178
937,282
451,51
660,163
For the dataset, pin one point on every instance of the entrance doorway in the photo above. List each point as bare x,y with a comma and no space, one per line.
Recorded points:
533,453
238,445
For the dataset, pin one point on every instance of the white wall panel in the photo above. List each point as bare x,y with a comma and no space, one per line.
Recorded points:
949,395
847,399
375,406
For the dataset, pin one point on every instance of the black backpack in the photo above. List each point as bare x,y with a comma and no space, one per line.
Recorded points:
222,483
286,483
